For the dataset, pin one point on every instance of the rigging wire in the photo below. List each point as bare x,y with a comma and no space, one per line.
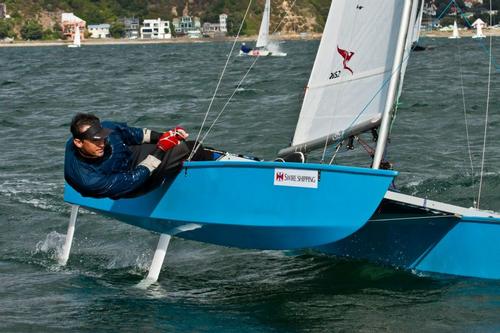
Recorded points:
335,154
229,100
486,118
276,29
199,142
467,136
218,83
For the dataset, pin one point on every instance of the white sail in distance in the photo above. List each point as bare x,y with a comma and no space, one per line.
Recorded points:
76,40
263,38
455,34
348,86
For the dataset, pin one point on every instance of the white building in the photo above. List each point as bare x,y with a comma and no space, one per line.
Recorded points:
223,22
156,29
99,30
69,21
216,28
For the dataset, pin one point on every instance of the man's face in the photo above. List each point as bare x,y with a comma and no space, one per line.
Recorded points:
90,148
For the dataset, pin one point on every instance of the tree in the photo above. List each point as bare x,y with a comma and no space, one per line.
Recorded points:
6,30
233,25
32,30
117,30
58,34
172,30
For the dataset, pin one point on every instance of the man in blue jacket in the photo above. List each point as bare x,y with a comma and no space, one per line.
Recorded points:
114,160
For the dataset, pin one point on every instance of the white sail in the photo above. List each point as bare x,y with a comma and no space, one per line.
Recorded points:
479,24
348,87
263,38
418,8
76,39
455,34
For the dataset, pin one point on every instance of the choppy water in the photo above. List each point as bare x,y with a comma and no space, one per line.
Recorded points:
205,288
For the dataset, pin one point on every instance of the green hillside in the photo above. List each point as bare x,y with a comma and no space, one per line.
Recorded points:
304,16
36,19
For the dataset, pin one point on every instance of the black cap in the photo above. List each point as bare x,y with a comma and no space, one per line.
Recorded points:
95,132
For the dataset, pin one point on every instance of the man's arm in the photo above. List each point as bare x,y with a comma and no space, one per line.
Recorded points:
133,135
100,185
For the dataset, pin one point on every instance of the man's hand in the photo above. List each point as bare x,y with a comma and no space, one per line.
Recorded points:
181,133
172,138
168,140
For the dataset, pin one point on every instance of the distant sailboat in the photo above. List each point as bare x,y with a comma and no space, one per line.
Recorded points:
455,34
262,46
479,24
76,38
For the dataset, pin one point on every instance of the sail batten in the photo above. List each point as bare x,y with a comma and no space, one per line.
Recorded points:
333,138
378,71
348,84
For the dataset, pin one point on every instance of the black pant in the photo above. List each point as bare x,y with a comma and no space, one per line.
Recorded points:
170,165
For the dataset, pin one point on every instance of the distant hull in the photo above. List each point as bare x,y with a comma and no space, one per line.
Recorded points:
426,240
262,53
241,204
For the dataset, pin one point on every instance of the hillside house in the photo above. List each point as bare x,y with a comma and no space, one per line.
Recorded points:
156,29
99,30
69,21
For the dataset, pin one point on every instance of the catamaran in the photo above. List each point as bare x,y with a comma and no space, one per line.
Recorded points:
344,210
262,48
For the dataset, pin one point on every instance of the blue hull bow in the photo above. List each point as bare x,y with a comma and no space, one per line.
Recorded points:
262,205
426,240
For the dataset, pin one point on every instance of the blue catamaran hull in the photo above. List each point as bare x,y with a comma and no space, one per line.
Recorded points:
262,205
240,204
426,240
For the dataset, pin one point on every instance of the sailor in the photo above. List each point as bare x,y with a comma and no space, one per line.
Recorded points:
111,159
244,48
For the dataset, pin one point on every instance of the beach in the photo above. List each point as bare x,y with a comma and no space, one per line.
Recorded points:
121,41
283,37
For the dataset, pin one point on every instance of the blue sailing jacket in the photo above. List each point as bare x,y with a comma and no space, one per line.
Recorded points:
112,175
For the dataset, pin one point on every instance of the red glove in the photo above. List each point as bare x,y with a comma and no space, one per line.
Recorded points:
168,140
180,133
172,138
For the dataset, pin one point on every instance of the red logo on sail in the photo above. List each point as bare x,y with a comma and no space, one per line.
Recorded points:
347,55
280,176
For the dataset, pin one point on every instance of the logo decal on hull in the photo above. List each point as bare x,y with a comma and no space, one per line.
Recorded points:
296,178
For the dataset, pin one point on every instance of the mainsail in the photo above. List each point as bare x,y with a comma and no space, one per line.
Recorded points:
455,34
263,38
348,87
76,40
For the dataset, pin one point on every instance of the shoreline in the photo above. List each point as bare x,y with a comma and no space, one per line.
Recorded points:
187,40
178,40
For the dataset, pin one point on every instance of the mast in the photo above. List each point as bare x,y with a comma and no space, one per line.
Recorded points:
393,86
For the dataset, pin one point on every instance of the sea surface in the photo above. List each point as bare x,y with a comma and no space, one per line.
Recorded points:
207,288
